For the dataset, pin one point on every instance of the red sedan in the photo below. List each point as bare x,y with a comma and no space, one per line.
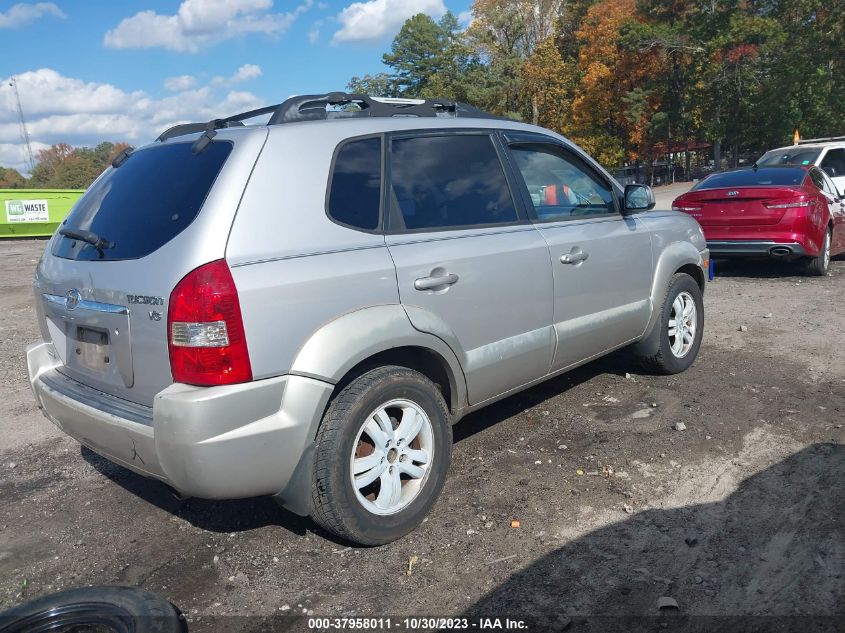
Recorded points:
788,212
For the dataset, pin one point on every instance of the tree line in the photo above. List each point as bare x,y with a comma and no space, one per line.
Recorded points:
628,80
631,80
63,167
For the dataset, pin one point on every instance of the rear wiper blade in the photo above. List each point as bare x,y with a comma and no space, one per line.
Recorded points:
87,236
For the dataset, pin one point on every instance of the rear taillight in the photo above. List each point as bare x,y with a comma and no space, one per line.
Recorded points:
786,204
205,330
685,208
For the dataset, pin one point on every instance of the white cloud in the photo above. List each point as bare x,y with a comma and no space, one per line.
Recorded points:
242,74
376,19
314,32
198,24
22,14
69,110
465,18
14,154
180,83
247,72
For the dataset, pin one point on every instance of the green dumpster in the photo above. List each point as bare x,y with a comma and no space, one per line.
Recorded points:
34,212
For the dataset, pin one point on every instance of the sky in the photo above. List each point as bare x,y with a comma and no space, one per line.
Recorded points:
124,70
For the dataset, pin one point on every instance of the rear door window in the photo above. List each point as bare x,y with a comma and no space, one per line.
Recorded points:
144,203
355,189
442,182
822,182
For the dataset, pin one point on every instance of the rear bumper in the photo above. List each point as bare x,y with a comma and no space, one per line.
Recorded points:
213,442
754,248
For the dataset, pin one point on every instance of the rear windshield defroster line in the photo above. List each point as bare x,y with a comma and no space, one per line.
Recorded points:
145,203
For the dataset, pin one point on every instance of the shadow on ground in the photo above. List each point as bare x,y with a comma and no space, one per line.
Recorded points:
214,516
248,514
759,268
771,557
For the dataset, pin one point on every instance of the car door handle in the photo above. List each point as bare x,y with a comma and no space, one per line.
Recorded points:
434,283
575,257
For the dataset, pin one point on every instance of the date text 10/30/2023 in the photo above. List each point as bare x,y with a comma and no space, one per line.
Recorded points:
415,624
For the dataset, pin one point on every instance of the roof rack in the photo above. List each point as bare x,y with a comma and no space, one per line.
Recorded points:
805,141
334,105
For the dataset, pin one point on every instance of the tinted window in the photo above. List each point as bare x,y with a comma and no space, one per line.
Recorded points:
834,162
355,196
752,177
820,181
796,156
830,186
144,203
560,186
448,181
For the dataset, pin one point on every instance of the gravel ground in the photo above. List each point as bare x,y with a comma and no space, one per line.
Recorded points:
739,514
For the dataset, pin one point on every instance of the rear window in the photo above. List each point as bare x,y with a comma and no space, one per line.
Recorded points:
789,157
753,177
144,203
355,193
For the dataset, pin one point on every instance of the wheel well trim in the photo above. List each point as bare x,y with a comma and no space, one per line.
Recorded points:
675,257
346,342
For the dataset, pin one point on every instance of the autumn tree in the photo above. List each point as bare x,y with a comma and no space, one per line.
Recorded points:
614,101
548,83
631,79
506,33
11,179
377,85
65,167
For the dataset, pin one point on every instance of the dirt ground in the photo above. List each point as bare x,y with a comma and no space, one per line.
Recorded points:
740,514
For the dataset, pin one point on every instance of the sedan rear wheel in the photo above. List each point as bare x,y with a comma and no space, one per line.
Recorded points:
818,265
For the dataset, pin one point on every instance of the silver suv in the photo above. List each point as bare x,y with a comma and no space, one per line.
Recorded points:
303,308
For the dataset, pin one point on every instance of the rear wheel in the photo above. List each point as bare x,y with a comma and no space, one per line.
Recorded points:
818,265
681,326
382,453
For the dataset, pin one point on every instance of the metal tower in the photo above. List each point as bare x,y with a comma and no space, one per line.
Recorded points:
24,133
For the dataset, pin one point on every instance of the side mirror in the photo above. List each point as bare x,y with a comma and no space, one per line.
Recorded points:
638,198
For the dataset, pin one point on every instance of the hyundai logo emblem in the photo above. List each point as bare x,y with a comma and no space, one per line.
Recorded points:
72,298
733,193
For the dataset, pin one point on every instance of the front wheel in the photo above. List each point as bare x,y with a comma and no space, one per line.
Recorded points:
681,326
382,452
818,265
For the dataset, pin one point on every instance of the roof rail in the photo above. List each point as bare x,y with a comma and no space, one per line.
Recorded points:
335,105
804,141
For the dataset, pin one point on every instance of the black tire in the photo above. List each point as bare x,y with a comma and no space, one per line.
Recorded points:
335,505
664,361
117,609
818,266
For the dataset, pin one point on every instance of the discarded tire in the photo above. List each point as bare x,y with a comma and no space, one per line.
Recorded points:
95,610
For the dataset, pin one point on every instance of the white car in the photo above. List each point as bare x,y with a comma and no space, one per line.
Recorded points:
826,153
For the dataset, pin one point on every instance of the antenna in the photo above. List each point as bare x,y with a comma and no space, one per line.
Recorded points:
24,133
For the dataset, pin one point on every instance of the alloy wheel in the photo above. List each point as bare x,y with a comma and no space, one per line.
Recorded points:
683,323
391,456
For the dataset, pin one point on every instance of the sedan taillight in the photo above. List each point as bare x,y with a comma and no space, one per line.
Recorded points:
786,204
